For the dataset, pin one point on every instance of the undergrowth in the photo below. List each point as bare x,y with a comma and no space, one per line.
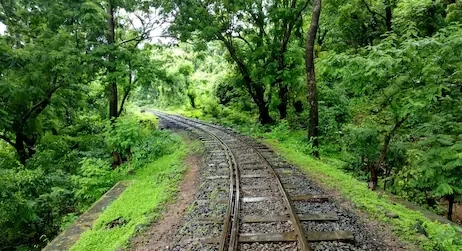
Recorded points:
152,186
440,237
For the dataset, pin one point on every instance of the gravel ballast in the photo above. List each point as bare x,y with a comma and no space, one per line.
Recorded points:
295,182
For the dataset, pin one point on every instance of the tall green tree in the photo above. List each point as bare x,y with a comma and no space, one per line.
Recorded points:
41,59
313,123
257,36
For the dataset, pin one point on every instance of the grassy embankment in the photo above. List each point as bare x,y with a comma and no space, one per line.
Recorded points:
152,186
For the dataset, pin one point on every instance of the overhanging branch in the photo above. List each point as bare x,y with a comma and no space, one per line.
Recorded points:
371,11
7,140
37,108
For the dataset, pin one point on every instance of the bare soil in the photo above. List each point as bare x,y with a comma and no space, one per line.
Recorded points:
161,233
457,214
456,211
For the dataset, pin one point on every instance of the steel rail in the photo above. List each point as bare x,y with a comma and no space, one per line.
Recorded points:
228,240
302,240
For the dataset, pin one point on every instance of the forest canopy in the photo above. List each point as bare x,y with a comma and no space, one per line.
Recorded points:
388,77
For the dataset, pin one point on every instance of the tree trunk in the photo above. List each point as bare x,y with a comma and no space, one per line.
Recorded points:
387,175
374,177
388,15
113,95
311,77
264,116
283,98
383,152
126,93
256,91
450,199
113,100
116,159
191,99
112,88
20,148
24,146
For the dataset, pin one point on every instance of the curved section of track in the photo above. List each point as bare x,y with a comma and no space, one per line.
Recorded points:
229,238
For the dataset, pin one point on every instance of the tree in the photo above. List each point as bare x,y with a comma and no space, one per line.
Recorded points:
355,24
311,78
256,35
41,59
123,36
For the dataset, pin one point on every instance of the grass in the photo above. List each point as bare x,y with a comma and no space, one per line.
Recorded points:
440,237
152,187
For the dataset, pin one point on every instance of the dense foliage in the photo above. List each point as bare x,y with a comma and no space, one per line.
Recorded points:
59,151
388,75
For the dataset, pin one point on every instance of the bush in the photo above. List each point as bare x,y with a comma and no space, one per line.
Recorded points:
95,177
31,205
281,131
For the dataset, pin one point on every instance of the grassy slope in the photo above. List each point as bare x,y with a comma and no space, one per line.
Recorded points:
440,236
152,187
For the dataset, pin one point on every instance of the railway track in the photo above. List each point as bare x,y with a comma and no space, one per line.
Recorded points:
258,211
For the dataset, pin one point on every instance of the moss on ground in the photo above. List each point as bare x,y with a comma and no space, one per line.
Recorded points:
152,187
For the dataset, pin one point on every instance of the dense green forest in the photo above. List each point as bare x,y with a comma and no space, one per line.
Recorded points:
376,84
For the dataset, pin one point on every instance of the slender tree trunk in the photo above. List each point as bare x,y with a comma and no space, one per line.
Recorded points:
112,88
264,116
450,199
257,93
283,98
113,100
263,109
113,95
20,148
388,15
311,77
192,100
384,151
126,93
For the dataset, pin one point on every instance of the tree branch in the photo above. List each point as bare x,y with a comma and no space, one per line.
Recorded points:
40,106
371,11
7,140
126,92
240,64
243,39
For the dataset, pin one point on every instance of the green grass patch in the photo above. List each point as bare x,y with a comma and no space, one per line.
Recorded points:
152,186
440,236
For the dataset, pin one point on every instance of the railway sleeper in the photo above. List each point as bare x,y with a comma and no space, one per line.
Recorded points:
302,217
252,167
262,175
271,218
217,177
257,187
339,235
308,198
